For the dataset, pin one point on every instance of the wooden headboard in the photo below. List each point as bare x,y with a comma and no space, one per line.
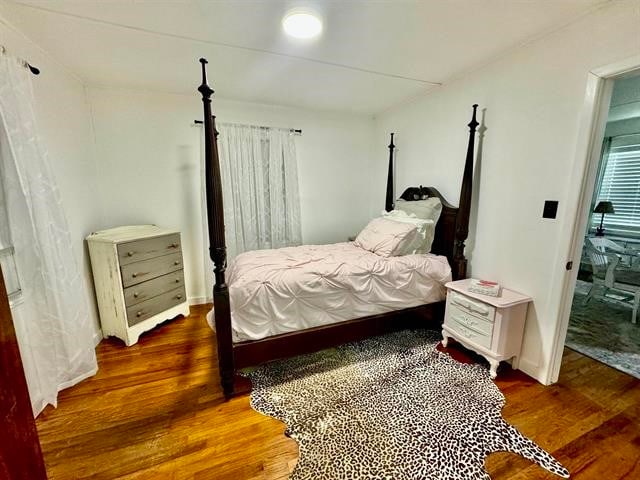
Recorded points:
452,228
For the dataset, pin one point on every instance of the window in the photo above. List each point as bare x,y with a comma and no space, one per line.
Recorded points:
10,273
7,260
620,185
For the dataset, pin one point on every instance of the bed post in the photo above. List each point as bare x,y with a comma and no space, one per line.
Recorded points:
389,202
217,245
459,266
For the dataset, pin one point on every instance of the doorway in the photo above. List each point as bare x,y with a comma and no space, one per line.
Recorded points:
602,291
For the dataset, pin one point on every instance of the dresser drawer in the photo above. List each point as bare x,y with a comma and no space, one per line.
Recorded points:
149,308
475,336
465,319
145,290
139,250
139,272
474,307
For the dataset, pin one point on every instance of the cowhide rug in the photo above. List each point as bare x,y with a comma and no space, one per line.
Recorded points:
390,407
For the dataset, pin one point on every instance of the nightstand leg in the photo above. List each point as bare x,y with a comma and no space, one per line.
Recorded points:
515,363
445,339
493,371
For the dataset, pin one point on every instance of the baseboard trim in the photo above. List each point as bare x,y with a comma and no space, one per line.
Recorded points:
532,369
201,300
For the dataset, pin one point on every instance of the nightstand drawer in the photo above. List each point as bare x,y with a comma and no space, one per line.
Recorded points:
145,290
465,319
148,308
148,248
474,307
478,338
138,272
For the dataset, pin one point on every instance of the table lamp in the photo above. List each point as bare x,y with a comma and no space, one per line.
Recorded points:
603,207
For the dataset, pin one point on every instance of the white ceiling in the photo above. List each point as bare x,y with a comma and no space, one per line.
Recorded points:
372,54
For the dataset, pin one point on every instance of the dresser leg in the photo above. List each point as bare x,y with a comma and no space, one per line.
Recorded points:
445,339
515,363
493,371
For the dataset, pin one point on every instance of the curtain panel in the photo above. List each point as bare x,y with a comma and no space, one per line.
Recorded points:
52,320
260,189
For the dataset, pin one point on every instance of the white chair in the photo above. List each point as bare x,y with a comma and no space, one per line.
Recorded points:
605,274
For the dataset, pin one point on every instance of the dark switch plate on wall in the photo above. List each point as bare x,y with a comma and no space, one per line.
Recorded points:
550,209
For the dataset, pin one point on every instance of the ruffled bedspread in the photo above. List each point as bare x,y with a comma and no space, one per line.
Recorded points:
288,289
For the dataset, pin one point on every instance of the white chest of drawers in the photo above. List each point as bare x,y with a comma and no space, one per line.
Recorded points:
139,279
490,326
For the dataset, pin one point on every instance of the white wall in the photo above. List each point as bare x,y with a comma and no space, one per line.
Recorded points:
63,116
148,154
531,101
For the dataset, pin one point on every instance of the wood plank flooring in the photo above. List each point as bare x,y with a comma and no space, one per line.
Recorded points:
155,411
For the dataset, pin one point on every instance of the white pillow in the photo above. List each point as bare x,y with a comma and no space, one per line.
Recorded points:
386,237
429,209
426,230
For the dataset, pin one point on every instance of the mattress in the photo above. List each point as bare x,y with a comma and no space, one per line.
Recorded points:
288,289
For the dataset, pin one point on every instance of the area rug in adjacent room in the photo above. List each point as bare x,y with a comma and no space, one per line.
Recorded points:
390,407
603,331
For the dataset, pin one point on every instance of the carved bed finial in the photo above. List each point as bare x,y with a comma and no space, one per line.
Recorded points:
217,244
389,200
204,88
459,266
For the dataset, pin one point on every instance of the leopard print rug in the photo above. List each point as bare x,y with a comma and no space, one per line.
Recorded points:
390,408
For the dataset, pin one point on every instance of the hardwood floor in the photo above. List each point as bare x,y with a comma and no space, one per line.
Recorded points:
155,410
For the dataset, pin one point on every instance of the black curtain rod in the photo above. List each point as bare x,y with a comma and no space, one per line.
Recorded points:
294,130
34,70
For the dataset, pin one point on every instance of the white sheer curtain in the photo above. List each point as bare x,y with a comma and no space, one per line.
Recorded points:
52,320
260,189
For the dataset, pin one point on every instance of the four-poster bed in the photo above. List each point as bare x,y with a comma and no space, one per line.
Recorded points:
450,234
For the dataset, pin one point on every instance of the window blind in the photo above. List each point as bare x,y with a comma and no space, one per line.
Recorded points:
621,186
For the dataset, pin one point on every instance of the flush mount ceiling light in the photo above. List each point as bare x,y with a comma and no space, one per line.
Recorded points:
302,24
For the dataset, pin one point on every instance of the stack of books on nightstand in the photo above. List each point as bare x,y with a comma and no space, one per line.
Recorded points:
484,287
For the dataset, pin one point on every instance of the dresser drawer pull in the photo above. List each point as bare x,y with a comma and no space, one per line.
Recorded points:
176,262
470,306
466,321
178,297
174,245
177,280
136,294
140,313
130,254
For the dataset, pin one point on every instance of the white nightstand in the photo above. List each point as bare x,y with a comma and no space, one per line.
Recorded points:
490,326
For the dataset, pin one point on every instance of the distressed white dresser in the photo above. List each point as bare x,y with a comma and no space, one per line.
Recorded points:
139,279
490,326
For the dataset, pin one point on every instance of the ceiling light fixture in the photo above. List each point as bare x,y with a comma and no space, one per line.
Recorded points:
300,24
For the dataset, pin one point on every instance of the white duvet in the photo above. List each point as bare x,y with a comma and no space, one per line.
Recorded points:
288,289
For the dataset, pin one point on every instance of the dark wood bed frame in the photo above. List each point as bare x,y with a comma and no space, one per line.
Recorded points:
451,232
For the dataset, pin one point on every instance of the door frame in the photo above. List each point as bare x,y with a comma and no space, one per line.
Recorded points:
593,120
